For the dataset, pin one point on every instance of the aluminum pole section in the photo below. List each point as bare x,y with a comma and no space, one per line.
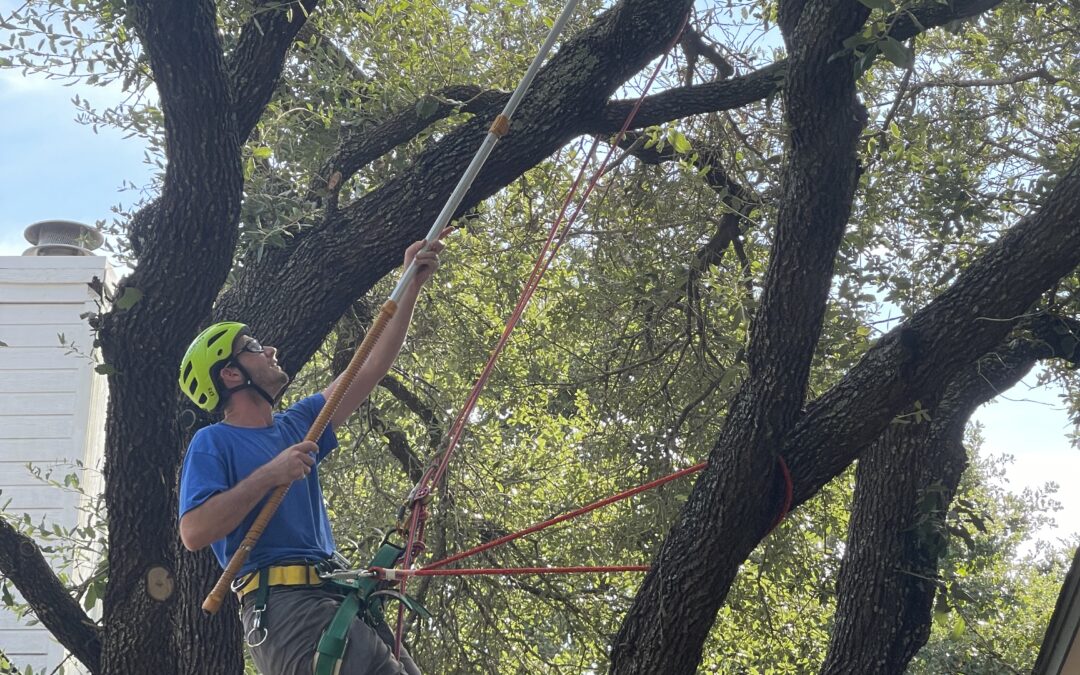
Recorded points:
486,147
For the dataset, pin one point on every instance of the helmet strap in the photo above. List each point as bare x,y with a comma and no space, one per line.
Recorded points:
250,384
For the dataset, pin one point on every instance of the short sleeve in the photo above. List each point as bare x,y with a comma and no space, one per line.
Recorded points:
204,474
302,414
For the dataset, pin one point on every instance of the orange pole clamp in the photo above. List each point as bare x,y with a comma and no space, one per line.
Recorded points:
501,126
212,603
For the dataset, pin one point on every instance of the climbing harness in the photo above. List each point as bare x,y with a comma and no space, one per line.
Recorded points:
260,582
364,597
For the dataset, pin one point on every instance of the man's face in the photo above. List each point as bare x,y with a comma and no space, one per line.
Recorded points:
261,363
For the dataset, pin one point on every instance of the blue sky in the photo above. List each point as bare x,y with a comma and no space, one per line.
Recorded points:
53,167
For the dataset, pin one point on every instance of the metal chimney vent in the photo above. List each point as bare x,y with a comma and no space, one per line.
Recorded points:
62,237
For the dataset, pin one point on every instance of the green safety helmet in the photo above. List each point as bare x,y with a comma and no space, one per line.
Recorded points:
205,358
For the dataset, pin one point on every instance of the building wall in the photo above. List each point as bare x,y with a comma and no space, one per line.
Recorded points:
52,409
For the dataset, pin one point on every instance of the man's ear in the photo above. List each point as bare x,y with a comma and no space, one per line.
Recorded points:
231,376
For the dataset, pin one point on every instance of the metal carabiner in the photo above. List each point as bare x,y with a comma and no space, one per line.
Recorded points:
256,627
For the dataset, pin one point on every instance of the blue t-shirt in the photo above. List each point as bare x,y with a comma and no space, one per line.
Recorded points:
221,455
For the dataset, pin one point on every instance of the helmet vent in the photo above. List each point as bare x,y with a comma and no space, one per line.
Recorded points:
187,371
215,337
194,386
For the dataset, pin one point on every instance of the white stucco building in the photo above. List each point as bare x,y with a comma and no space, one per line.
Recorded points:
52,402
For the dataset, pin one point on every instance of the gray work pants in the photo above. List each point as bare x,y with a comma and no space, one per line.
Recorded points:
295,618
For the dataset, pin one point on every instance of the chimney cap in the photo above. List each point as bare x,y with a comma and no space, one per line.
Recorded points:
62,237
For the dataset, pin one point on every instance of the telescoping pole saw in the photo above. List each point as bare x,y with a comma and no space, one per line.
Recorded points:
499,128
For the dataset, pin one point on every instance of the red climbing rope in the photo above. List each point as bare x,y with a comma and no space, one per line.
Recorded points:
420,496
566,516
556,237
625,494
398,574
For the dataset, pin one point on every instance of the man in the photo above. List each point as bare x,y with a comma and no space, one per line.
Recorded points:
232,465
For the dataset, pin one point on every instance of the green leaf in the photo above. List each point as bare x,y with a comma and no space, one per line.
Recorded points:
426,107
680,142
104,369
897,53
90,599
262,152
851,43
130,296
866,60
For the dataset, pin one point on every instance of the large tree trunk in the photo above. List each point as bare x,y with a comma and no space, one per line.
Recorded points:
185,241
732,504
904,487
886,584
143,344
730,507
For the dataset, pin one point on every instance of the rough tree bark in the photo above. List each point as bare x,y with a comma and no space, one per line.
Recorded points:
186,240
728,512
905,483
185,243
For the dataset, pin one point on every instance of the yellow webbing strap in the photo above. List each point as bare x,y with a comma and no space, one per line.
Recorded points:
284,575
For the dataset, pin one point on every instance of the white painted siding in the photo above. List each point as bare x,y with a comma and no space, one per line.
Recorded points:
52,407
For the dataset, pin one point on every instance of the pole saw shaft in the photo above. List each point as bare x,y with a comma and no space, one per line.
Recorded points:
498,129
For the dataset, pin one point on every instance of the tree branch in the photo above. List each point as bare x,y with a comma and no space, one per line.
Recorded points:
967,320
905,483
255,64
686,101
739,199
825,120
292,299
398,443
430,418
767,81
363,147
1039,73
21,561
694,46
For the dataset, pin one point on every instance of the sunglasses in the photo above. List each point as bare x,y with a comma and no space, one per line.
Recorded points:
252,346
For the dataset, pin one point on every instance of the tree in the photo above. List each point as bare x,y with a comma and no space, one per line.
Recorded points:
287,225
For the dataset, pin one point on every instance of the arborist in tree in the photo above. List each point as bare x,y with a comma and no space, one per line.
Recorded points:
230,467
